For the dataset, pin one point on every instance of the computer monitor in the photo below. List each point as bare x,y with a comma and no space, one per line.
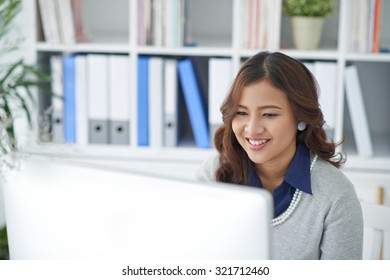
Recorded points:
58,208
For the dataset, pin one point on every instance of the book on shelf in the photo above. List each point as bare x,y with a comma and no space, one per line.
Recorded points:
170,103
48,15
57,102
220,79
185,136
326,75
354,96
63,114
65,21
97,65
376,27
156,98
81,99
141,22
143,101
119,100
275,24
79,31
162,23
69,99
62,21
200,64
261,24
157,22
161,120
194,103
170,23
159,115
363,25
96,100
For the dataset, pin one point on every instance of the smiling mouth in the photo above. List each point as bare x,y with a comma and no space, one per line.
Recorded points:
258,142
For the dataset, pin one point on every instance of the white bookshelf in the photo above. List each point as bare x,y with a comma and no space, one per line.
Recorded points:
215,25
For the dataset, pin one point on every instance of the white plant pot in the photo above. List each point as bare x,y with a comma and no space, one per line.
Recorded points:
307,32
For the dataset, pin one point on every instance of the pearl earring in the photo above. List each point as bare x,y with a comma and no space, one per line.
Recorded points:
302,126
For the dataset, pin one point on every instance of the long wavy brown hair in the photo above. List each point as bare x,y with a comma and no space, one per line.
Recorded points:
293,78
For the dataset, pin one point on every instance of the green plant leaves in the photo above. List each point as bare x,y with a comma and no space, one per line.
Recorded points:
17,81
308,8
4,252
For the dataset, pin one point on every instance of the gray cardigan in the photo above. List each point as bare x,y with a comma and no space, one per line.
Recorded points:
325,225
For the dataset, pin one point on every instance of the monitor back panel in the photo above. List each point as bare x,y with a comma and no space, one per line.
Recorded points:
60,209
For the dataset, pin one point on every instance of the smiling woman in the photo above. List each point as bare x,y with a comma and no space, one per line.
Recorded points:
265,127
272,137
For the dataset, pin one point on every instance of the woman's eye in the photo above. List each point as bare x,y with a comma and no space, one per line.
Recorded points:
240,113
269,115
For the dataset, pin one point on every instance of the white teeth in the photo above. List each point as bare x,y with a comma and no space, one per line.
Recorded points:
257,142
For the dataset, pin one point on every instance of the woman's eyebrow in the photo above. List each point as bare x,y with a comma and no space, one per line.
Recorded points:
262,107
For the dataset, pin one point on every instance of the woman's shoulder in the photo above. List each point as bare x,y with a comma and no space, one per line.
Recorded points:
330,179
206,170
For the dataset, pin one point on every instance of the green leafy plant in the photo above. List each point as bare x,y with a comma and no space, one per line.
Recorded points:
308,8
4,252
18,82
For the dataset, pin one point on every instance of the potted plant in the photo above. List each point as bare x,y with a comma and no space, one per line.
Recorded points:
17,95
307,20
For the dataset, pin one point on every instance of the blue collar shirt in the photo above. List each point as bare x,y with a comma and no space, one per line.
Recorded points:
297,177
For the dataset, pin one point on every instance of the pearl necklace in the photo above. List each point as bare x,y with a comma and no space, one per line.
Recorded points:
293,204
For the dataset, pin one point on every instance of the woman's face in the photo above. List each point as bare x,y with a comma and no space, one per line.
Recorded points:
265,125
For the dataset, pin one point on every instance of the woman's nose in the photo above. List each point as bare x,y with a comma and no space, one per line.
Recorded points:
254,126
